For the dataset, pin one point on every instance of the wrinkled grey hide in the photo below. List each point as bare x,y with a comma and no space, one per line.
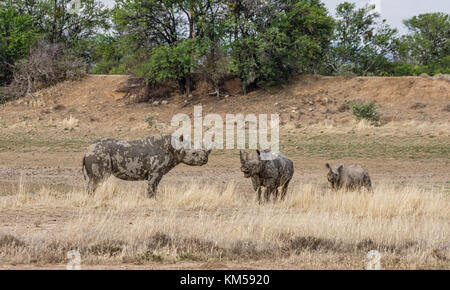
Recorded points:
349,177
148,159
268,173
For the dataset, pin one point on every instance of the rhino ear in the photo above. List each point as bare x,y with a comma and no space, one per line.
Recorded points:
340,168
259,152
327,166
181,138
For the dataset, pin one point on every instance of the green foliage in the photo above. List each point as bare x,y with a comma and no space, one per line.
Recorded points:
23,22
279,39
17,34
3,98
361,43
171,62
149,120
368,111
262,42
440,66
428,40
108,53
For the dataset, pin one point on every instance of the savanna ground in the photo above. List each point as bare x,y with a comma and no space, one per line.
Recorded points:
206,217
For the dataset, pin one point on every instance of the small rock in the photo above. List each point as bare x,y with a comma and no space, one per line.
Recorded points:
155,103
164,102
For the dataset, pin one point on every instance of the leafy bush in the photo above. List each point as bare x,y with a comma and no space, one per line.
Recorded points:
17,34
149,120
368,111
171,62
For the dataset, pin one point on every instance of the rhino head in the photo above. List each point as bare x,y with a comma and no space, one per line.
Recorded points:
251,163
334,174
195,157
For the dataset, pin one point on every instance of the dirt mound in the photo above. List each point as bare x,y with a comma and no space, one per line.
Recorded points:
307,100
93,88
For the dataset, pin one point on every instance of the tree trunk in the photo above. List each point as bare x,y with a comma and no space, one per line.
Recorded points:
182,85
188,84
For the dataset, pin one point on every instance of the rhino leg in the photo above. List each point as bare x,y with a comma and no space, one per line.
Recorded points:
267,194
91,186
153,181
258,194
275,192
271,187
284,189
257,188
368,183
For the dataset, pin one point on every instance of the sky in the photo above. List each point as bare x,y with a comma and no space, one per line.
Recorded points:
394,11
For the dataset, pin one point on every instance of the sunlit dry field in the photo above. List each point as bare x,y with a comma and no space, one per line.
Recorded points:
207,217
209,226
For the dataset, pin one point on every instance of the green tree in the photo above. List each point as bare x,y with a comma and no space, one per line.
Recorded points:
107,53
170,62
275,39
169,37
17,34
361,43
23,22
428,39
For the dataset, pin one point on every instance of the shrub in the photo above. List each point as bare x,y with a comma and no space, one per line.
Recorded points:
3,97
46,65
368,111
149,120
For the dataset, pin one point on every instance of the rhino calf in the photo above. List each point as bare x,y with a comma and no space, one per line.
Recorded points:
349,177
148,159
272,173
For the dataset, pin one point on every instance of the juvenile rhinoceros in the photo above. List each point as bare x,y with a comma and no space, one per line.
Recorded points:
268,172
148,159
349,177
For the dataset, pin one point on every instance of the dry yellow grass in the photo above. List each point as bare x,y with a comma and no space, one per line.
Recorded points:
313,228
396,128
69,123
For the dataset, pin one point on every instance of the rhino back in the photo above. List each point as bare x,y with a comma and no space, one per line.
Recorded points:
136,159
281,168
354,172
